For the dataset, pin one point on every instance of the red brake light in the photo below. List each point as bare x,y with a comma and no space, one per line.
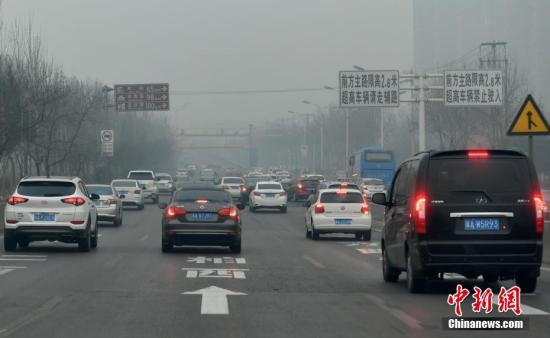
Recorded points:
420,214
13,200
365,208
12,221
478,154
539,213
77,222
76,201
201,201
111,201
319,208
300,186
228,212
243,189
173,212
282,193
257,193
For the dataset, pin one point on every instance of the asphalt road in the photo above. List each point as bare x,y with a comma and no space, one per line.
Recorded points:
290,287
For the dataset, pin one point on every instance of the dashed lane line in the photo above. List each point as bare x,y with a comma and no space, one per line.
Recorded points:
314,262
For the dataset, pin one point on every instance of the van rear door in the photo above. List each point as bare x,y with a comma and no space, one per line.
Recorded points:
479,203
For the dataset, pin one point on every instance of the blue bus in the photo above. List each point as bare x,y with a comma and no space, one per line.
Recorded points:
374,162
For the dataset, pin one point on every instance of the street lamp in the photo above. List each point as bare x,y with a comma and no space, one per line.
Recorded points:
359,68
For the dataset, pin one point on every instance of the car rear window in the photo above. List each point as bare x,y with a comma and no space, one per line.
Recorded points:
269,187
117,184
100,190
348,197
496,175
141,176
212,196
46,188
338,185
233,180
164,178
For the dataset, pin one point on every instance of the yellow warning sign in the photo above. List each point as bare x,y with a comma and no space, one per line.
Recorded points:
529,120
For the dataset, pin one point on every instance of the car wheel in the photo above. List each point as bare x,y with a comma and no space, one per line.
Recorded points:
284,210
358,236
84,243
366,235
10,243
141,207
314,233
308,233
389,273
527,281
236,247
167,246
415,281
95,238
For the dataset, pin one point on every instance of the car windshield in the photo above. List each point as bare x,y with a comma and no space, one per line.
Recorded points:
100,190
269,186
212,196
46,188
341,197
141,176
118,184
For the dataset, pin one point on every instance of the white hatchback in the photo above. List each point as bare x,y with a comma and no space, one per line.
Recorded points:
269,195
338,211
51,208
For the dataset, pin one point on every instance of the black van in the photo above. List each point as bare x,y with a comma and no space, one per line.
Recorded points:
471,212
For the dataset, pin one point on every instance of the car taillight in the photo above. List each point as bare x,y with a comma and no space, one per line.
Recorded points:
478,154
77,201
364,208
201,201
319,208
225,187
12,221
173,212
420,214
300,186
243,189
137,191
282,193
77,222
539,213
257,193
13,200
110,201
228,212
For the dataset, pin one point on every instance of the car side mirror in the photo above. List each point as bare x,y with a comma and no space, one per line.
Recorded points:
379,198
157,179
94,197
163,205
240,206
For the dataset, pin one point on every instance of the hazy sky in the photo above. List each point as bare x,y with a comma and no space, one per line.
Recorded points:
223,45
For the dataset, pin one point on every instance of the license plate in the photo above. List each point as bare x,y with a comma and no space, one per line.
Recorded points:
44,217
202,216
269,195
340,221
481,224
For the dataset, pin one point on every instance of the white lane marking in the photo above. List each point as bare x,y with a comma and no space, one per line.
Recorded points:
24,259
216,260
369,251
12,267
525,309
314,262
410,321
23,256
545,269
144,238
214,300
215,273
99,235
5,271
33,315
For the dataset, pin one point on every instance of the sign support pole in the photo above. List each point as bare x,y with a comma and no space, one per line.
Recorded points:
531,153
421,115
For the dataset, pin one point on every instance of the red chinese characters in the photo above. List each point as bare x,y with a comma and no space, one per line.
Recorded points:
509,300
483,300
457,299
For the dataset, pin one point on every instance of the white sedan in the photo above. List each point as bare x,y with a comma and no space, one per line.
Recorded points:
338,211
269,195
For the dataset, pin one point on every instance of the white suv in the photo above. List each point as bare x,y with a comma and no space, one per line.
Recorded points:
147,182
51,208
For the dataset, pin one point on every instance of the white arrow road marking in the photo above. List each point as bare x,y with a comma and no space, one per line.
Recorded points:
214,300
7,269
31,258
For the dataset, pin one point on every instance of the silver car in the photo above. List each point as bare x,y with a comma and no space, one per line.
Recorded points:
165,183
109,205
129,192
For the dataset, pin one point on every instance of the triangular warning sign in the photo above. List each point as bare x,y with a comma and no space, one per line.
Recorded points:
529,120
